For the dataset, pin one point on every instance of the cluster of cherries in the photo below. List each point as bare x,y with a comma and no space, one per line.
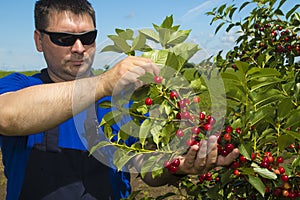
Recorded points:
196,123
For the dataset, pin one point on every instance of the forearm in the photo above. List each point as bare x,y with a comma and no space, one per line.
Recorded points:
165,178
38,108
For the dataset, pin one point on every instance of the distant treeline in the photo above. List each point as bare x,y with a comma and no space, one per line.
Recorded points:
29,73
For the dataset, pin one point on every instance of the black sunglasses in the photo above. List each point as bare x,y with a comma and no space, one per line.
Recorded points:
68,39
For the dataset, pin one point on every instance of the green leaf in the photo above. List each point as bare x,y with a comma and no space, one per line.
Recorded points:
112,48
261,115
133,195
122,157
120,43
265,173
289,13
111,117
284,141
281,3
99,145
293,119
257,184
231,13
219,27
293,134
263,82
150,34
148,163
186,50
125,34
105,104
164,36
284,108
221,8
296,162
230,27
158,56
256,73
168,22
178,37
139,42
246,149
144,131
165,196
267,98
243,6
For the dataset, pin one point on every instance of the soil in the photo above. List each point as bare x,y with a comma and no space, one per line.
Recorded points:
136,182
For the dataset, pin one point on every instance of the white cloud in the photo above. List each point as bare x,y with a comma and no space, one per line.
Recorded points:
130,15
200,9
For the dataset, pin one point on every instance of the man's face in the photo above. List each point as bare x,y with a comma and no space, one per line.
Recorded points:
67,62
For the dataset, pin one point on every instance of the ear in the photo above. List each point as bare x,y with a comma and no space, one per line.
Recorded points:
38,40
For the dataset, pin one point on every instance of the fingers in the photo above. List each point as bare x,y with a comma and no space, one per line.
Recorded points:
202,158
190,157
225,161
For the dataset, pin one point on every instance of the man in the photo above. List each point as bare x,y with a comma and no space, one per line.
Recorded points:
43,116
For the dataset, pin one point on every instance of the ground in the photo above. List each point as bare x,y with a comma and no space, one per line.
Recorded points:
2,180
137,184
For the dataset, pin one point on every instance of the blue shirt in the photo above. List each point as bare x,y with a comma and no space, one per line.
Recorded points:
16,149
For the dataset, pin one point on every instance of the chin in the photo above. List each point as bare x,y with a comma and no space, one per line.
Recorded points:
81,72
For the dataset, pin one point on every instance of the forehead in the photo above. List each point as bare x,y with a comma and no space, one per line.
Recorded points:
68,21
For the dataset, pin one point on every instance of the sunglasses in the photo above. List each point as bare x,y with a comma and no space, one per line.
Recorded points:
68,39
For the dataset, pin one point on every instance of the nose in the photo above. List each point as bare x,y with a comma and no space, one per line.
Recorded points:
78,47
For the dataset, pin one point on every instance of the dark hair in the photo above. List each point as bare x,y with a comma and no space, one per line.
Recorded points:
43,9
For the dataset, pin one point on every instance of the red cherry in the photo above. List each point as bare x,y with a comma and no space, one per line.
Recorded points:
236,172
181,104
148,101
201,116
229,147
190,142
243,159
173,95
235,165
185,115
281,170
175,162
224,152
285,193
179,133
196,99
207,126
178,116
210,120
238,130
195,130
265,164
253,156
172,168
167,163
228,129
227,136
268,153
285,178
158,79
271,159
187,101
277,192
279,159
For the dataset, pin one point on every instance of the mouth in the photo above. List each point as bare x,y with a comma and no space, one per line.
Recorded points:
77,62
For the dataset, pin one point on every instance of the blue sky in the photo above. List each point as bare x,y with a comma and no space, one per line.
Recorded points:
17,50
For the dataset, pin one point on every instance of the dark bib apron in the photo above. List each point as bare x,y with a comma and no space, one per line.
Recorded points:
66,174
